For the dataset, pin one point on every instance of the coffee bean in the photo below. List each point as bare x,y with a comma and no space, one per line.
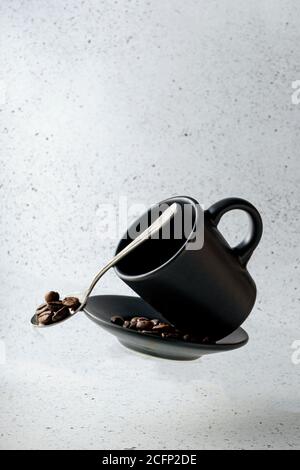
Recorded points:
163,327
135,319
140,319
45,318
51,296
144,325
117,320
54,306
71,302
133,322
156,328
41,309
61,314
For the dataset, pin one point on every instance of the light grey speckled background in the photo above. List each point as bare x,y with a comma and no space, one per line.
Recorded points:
145,99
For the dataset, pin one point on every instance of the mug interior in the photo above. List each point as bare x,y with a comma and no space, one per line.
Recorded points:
154,253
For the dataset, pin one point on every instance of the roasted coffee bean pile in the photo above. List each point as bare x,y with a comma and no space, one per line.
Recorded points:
54,310
155,327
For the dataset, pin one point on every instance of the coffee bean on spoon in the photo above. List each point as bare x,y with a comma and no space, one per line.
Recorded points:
51,296
71,302
41,308
117,320
61,314
55,306
126,324
45,318
42,311
55,310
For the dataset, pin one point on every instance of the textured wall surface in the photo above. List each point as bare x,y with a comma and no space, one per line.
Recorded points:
102,100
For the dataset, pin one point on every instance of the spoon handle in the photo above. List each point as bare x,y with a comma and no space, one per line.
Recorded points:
149,232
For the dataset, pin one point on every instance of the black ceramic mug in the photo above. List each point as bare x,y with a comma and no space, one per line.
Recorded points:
206,290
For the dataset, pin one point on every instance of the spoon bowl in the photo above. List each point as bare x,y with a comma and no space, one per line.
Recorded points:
34,320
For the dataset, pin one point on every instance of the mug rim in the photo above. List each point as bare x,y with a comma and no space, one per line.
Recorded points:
130,277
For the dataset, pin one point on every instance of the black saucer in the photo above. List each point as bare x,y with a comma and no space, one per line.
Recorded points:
101,308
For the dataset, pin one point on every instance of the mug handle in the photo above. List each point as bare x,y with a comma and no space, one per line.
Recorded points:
245,249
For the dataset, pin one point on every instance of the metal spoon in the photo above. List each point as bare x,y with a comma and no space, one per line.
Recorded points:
151,230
